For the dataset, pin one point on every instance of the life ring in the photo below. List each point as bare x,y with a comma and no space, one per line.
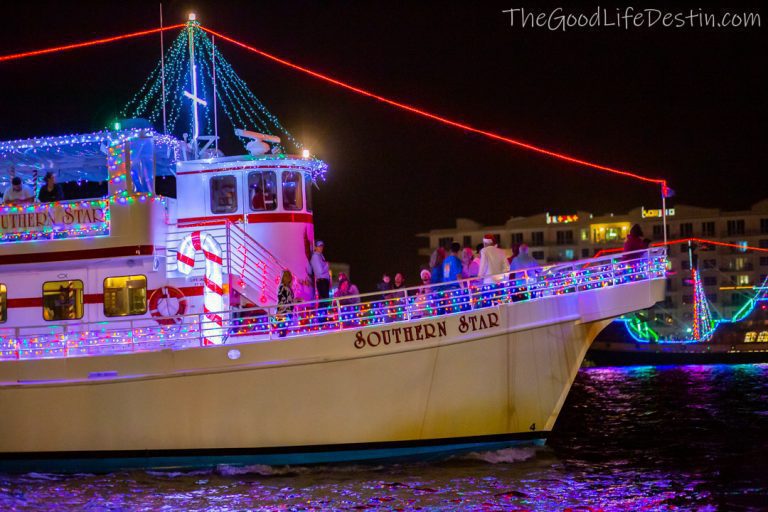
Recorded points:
167,293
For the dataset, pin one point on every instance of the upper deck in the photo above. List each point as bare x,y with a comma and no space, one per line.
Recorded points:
120,188
108,200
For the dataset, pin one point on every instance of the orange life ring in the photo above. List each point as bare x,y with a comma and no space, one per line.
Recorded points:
167,292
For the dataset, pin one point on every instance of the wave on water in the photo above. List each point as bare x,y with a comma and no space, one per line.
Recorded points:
505,455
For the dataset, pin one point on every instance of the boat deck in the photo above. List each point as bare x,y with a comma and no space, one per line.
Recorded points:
337,314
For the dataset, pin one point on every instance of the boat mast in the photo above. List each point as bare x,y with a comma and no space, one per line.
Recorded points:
193,73
162,69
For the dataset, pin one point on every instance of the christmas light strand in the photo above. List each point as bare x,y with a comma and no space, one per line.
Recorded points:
435,117
56,49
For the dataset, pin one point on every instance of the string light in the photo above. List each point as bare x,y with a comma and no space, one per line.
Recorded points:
435,117
239,103
361,91
436,302
34,53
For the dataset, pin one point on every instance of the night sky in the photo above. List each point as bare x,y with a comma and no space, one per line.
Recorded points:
688,105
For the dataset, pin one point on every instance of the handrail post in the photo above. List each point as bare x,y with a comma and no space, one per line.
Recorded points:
201,334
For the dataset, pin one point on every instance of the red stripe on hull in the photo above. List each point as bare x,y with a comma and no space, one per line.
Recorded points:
90,254
93,298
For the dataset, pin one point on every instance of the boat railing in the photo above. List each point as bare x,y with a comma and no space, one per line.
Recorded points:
335,314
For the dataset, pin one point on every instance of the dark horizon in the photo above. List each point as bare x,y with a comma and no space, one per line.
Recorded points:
687,105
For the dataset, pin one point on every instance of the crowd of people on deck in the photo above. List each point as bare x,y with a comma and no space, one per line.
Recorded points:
486,264
19,193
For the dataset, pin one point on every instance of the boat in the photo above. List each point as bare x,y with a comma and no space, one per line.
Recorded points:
139,328
742,342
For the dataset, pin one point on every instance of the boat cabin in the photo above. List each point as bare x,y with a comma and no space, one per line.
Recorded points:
143,232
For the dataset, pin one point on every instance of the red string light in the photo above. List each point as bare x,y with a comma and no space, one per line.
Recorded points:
95,42
686,240
403,106
435,117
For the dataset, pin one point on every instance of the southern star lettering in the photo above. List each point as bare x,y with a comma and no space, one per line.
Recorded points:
472,323
467,323
400,334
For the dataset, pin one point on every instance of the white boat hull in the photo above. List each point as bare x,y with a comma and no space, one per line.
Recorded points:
492,374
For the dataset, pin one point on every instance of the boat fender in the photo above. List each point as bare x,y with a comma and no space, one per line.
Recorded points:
167,293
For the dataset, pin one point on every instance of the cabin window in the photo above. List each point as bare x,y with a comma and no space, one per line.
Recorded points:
223,194
309,184
262,191
3,303
125,296
292,196
62,300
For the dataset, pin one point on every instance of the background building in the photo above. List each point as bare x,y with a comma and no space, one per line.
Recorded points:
728,274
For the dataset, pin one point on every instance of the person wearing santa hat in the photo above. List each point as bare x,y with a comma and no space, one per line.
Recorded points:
493,261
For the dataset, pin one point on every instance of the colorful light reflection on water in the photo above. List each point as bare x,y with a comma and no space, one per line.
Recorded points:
642,438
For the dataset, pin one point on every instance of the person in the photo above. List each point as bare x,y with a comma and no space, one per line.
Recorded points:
436,265
385,284
515,251
51,191
18,193
635,241
421,301
524,269
284,301
467,257
523,260
321,271
381,305
258,201
452,267
65,304
474,267
399,284
397,297
346,289
493,261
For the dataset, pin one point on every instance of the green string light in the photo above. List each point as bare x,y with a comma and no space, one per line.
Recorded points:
239,103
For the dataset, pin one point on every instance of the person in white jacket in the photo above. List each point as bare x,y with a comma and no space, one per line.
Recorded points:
493,261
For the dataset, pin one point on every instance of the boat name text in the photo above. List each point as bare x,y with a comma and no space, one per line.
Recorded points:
422,332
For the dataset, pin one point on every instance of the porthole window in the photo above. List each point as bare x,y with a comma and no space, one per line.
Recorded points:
62,300
262,191
223,194
125,296
292,194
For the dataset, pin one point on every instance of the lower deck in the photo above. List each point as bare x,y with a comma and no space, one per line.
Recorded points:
140,326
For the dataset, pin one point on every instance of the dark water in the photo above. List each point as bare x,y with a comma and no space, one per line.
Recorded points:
641,438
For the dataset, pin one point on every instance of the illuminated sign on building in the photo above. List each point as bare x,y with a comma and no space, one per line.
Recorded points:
561,219
652,214
54,221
